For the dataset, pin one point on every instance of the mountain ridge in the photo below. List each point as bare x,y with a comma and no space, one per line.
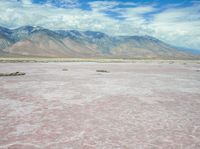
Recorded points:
39,41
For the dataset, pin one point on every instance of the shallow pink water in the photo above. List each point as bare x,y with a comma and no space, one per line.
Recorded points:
135,106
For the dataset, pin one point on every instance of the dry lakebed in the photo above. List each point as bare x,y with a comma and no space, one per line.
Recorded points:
91,105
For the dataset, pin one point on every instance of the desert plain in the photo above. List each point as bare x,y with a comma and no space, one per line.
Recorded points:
71,105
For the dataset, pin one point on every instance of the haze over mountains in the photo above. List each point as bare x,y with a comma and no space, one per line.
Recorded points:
41,42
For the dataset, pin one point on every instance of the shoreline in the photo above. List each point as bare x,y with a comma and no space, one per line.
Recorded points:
98,60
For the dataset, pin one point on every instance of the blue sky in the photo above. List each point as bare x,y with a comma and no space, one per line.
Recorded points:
174,21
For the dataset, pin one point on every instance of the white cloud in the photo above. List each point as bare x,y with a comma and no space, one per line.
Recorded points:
176,25
179,26
108,5
103,5
52,17
137,10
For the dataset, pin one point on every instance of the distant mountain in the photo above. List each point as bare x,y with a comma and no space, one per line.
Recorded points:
5,39
41,42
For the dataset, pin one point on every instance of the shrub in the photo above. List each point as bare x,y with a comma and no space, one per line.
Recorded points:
105,71
12,74
65,69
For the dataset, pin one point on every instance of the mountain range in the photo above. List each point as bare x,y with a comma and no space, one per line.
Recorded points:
42,42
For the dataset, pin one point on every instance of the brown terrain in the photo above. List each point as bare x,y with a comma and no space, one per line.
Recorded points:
141,105
29,41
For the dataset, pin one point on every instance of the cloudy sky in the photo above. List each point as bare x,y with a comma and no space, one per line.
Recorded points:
174,21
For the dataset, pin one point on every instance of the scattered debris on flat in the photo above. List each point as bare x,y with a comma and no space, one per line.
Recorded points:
12,74
105,71
65,69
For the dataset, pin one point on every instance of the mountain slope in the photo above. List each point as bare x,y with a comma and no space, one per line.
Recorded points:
5,41
38,41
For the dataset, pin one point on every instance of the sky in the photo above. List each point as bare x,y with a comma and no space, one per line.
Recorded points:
176,22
